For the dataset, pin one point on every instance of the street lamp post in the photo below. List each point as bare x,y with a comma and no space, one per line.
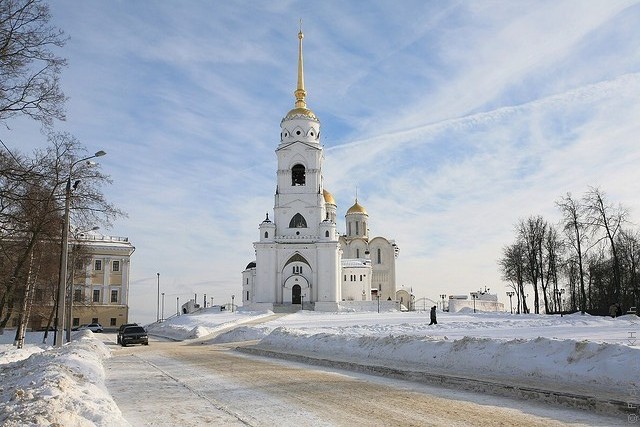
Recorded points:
62,283
559,293
69,312
232,305
475,297
162,317
510,294
378,298
158,305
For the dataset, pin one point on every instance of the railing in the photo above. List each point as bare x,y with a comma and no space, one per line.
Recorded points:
100,238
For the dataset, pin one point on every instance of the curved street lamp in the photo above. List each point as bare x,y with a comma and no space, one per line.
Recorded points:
69,311
64,256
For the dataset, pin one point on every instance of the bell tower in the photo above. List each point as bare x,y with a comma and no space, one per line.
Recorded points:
298,256
299,202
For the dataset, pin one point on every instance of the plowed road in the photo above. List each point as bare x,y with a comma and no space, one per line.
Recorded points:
179,384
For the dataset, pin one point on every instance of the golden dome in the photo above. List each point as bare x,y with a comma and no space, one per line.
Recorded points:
328,197
357,208
300,111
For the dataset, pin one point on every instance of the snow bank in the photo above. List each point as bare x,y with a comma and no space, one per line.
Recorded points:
578,353
569,363
202,323
61,386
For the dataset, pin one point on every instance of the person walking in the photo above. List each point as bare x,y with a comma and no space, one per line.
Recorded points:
433,316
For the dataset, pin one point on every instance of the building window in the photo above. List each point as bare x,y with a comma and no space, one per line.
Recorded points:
266,234
247,280
326,233
112,322
298,221
357,232
349,229
76,321
96,295
114,295
298,175
97,265
361,277
379,256
77,295
345,277
357,253
247,296
115,265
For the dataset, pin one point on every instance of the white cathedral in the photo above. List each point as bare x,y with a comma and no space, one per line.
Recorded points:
302,261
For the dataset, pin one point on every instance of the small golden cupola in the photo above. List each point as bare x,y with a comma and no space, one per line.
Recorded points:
330,206
357,208
328,197
357,221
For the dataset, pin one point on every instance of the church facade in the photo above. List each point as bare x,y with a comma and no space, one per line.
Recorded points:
301,258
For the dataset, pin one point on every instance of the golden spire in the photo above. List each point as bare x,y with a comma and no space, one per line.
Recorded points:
300,109
300,93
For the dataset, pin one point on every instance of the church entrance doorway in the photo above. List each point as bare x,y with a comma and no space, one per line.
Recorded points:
296,292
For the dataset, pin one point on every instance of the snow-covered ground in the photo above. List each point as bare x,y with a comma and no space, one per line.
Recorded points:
44,386
40,385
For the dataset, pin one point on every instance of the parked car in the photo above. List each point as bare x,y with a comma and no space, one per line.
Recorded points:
93,327
134,335
121,328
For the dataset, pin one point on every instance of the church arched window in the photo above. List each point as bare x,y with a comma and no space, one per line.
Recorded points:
298,175
379,256
326,233
266,234
298,221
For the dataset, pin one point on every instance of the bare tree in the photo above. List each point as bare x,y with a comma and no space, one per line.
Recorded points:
512,267
531,232
31,212
29,67
606,220
629,247
574,226
553,249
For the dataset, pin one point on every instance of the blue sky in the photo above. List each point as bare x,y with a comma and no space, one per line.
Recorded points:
452,119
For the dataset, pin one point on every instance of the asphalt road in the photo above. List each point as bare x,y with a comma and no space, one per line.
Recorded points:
194,384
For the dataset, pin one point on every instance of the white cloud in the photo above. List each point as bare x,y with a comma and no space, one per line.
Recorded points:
452,120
